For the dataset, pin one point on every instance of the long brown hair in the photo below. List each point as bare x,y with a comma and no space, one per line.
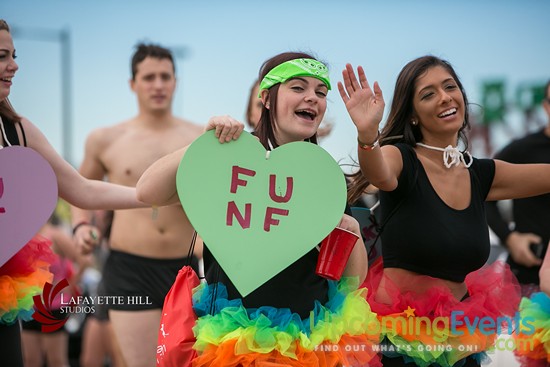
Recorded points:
7,112
398,128
265,129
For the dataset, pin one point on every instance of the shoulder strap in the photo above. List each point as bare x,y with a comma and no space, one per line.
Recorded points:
11,132
22,133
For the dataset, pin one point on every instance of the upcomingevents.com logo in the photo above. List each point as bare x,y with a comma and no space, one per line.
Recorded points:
43,307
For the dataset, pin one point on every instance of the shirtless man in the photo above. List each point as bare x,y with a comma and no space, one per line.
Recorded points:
148,246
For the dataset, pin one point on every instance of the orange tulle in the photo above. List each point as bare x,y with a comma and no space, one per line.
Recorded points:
531,351
22,277
349,351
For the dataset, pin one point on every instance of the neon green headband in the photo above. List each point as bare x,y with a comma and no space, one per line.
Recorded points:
294,68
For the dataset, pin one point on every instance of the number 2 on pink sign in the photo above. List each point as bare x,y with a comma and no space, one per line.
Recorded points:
2,209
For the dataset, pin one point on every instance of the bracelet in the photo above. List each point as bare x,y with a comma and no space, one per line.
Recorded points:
368,147
80,224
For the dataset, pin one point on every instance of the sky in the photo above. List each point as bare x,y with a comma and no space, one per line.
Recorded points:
222,45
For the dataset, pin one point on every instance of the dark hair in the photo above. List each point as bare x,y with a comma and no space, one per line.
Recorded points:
265,128
7,112
54,219
252,96
402,110
546,88
150,50
398,128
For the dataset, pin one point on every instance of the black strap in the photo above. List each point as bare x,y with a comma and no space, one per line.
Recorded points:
216,276
215,290
22,133
191,249
189,260
11,132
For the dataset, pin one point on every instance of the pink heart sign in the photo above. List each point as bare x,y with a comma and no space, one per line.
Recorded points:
28,196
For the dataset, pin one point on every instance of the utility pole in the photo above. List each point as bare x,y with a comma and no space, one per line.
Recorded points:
63,37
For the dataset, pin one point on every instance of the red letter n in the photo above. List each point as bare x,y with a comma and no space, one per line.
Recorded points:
233,211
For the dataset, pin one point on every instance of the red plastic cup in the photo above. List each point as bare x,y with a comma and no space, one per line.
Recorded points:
335,251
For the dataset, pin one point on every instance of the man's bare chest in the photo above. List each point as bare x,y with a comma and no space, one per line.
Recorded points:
126,160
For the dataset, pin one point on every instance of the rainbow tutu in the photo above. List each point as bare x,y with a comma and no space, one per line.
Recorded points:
533,339
23,277
432,327
341,332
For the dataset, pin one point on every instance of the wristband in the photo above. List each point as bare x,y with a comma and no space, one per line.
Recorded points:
368,147
83,223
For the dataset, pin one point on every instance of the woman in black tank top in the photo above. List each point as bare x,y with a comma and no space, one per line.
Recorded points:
431,191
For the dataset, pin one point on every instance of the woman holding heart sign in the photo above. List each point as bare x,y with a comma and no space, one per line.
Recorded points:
297,317
23,275
436,241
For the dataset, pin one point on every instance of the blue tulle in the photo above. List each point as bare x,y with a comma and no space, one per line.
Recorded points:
543,300
281,318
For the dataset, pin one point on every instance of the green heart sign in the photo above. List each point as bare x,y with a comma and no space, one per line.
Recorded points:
258,211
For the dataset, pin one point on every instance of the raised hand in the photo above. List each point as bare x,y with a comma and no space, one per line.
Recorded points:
365,105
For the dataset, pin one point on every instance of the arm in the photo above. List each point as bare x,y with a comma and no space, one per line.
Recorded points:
544,274
357,264
157,185
510,183
64,245
74,188
365,106
86,235
514,181
518,244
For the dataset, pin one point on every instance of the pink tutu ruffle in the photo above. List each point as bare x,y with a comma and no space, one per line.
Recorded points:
493,294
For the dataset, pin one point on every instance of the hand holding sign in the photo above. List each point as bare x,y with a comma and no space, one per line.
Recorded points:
28,195
258,212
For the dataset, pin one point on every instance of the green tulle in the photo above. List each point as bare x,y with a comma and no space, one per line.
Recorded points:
533,336
536,310
265,329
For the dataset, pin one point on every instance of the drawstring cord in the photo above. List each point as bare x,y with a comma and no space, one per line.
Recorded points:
451,155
